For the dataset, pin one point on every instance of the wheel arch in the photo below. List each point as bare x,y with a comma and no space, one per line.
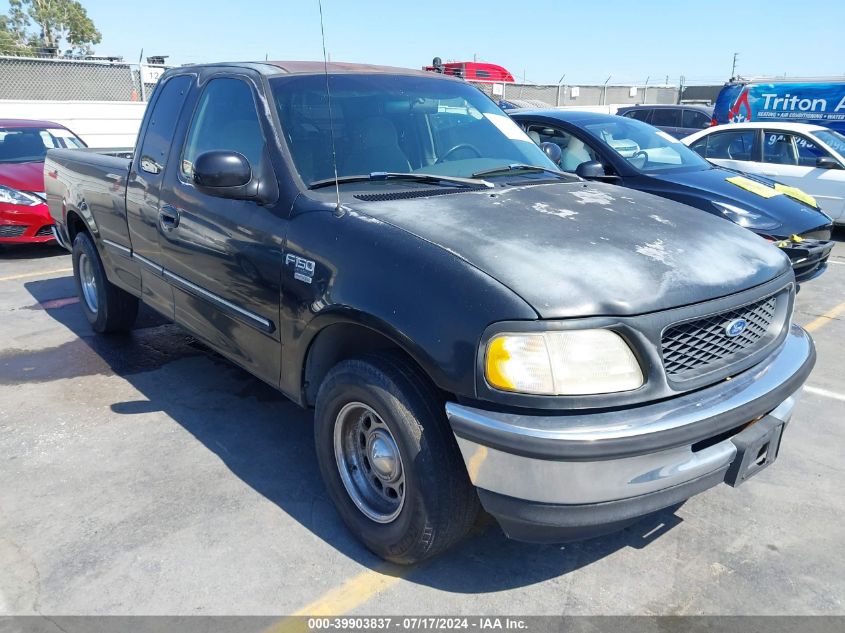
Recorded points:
348,338
75,224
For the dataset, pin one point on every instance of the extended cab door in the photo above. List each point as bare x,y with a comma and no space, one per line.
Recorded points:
222,256
144,185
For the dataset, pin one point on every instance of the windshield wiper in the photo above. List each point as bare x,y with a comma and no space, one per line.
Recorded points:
504,169
391,175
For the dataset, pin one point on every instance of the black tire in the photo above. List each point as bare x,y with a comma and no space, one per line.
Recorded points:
113,309
440,504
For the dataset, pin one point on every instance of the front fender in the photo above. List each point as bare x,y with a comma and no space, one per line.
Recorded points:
428,301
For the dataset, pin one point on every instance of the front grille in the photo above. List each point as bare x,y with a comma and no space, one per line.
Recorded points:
45,231
695,347
12,230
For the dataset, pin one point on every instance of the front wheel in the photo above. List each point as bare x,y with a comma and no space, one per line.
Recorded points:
389,460
107,307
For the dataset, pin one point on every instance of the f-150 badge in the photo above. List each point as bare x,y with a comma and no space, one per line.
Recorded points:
303,269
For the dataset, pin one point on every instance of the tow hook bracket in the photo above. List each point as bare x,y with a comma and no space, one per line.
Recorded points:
756,448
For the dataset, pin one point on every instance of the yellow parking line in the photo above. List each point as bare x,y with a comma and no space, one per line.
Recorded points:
346,597
42,273
825,318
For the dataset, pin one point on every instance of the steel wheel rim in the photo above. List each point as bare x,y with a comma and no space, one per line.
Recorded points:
369,462
88,282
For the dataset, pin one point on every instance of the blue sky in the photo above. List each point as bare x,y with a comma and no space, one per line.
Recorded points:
587,40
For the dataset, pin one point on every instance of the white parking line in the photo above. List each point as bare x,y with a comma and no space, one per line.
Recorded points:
837,263
825,393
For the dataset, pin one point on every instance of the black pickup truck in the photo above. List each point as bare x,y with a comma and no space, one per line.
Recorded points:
469,323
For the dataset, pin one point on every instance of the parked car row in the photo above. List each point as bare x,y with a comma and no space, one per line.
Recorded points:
810,157
633,154
472,325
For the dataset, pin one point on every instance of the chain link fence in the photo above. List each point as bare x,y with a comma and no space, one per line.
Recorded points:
555,95
32,78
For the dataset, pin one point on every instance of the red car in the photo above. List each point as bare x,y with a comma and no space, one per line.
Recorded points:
24,217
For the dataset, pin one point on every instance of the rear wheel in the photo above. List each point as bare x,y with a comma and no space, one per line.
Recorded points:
107,307
389,460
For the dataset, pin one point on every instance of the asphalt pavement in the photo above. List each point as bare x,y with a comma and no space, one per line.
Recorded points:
144,474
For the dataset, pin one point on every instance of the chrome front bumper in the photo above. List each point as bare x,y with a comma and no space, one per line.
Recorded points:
583,458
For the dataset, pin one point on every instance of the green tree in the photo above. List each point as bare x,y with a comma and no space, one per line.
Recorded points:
13,39
50,24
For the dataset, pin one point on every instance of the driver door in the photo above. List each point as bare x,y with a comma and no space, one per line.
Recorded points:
223,257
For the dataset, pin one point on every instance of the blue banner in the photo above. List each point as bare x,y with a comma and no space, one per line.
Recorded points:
817,103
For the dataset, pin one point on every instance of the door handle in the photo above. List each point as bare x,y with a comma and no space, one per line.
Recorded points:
168,217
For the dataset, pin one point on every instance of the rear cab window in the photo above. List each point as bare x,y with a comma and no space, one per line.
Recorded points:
162,126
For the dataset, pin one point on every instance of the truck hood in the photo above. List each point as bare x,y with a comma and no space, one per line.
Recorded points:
584,249
23,176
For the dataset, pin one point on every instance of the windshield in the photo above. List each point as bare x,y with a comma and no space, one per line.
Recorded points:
30,144
401,124
834,139
646,148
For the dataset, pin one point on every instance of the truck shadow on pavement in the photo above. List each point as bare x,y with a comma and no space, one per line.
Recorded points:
30,251
266,441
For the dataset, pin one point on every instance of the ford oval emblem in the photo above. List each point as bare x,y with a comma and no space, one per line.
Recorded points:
736,327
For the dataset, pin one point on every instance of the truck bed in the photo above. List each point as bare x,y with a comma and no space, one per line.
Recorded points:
94,183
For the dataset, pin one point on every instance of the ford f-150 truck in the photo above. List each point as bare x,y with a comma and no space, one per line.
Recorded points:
471,326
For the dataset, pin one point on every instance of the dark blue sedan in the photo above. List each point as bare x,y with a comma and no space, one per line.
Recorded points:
634,154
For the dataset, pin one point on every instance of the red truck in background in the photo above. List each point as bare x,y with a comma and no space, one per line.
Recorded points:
473,71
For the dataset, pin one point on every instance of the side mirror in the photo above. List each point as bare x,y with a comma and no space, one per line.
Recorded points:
591,170
552,150
227,174
221,171
827,162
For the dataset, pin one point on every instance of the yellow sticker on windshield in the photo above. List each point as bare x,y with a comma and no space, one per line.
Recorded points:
795,192
753,186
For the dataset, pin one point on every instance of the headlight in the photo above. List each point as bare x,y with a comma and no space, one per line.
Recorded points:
746,218
566,363
13,196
